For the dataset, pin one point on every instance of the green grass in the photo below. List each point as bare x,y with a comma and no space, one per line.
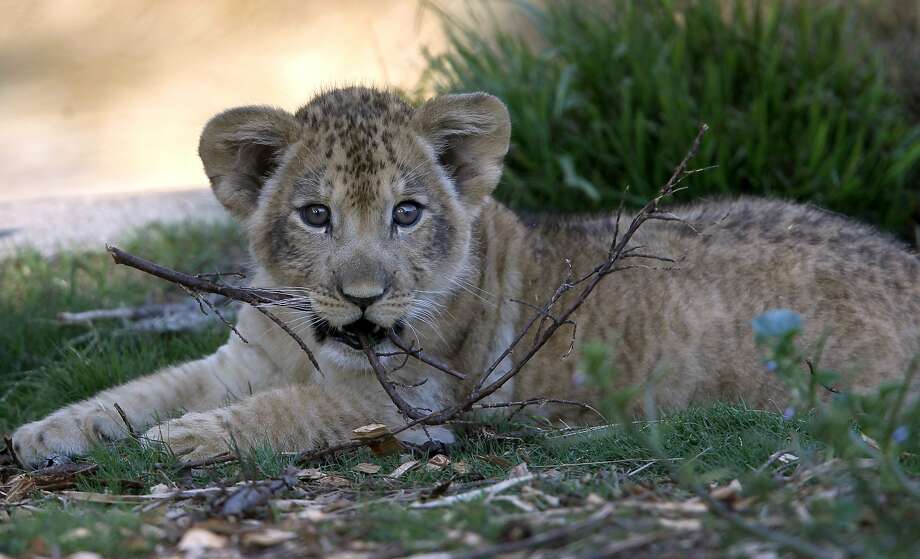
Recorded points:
662,461
44,365
59,530
43,368
607,95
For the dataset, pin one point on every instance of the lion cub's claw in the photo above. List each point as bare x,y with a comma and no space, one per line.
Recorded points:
192,437
69,432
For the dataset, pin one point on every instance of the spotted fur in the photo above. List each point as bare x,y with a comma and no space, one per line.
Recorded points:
461,279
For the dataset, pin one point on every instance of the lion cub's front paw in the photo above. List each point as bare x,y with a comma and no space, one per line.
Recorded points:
67,432
192,437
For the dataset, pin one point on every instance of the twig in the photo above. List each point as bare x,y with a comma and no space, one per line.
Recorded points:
540,402
555,538
253,296
811,371
203,302
388,385
8,441
474,494
124,418
294,336
422,356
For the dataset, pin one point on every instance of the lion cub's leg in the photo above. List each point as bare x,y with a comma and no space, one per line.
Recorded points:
233,372
295,418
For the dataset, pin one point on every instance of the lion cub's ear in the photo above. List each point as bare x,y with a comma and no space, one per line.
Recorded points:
470,134
240,149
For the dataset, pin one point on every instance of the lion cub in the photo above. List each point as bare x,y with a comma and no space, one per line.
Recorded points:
379,216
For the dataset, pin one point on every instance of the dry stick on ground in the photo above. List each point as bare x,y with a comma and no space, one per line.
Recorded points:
548,323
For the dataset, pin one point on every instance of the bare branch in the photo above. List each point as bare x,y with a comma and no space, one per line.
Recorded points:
423,357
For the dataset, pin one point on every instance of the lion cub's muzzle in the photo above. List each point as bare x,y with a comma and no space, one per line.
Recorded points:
350,333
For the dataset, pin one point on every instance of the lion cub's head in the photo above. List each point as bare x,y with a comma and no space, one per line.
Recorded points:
360,201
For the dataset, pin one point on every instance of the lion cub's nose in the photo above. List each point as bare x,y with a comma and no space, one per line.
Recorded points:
362,296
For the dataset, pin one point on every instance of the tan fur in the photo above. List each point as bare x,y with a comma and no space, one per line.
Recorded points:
453,276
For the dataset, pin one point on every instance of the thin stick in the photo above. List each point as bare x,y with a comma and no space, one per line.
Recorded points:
423,357
124,417
252,296
293,335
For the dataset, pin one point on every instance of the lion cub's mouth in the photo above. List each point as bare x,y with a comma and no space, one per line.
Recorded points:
349,334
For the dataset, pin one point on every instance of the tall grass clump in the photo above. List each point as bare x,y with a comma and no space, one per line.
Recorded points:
607,94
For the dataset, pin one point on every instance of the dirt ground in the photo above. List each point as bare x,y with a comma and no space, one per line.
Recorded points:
91,220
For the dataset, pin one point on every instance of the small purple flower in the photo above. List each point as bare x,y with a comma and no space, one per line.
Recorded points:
788,413
771,366
900,434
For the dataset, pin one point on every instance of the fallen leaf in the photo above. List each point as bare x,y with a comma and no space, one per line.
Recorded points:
160,488
497,461
338,504
80,533
439,460
387,443
84,555
520,470
199,539
594,499
266,538
105,498
366,468
335,481
787,457
469,539
727,493
403,469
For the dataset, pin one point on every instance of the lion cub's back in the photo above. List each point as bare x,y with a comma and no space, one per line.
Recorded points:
735,259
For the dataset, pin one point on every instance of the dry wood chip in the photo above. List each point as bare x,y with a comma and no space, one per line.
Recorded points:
595,500
266,538
338,504
682,524
366,468
403,468
312,474
197,540
517,502
727,493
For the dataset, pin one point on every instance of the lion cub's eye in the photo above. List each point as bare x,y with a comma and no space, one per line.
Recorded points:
406,214
315,215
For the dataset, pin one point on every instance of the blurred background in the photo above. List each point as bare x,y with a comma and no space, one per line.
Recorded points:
103,100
